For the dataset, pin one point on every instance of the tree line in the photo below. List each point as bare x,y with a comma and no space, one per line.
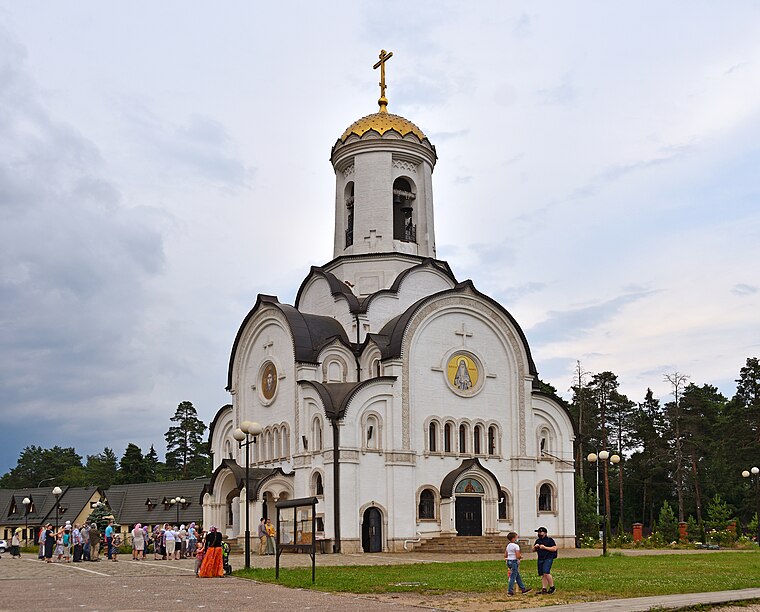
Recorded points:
186,457
685,452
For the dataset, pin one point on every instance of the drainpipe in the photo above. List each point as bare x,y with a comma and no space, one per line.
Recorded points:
336,483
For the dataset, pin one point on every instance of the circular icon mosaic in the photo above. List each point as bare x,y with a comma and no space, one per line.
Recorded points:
268,383
463,373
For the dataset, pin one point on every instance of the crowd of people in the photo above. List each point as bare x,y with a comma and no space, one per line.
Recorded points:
77,543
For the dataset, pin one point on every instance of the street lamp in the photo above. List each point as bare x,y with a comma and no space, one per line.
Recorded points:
57,492
603,456
754,472
26,501
245,436
178,501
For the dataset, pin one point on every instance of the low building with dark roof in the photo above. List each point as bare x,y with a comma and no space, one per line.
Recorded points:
74,505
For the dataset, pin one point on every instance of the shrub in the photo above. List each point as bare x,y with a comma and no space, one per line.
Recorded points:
667,525
719,514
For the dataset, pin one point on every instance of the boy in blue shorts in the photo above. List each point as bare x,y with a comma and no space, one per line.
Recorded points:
546,548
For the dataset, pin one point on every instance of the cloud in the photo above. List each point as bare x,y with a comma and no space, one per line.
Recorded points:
76,264
575,323
742,289
561,94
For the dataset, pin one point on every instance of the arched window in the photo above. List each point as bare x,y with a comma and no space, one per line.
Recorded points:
372,431
433,437
228,449
319,488
426,509
277,443
317,435
403,222
270,446
545,498
492,440
349,200
504,505
462,439
335,371
476,433
447,438
285,445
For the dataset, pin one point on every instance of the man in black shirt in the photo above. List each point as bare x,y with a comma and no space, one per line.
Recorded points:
546,548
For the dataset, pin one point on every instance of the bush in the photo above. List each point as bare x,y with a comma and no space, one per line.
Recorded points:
719,514
722,537
667,525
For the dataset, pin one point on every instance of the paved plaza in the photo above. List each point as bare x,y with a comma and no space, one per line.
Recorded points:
30,584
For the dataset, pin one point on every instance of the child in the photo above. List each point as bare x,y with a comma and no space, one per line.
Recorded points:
226,558
513,555
115,543
198,557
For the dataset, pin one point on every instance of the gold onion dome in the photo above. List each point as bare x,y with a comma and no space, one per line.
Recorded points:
381,123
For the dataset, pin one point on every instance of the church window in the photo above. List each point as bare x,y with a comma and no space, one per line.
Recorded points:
349,200
334,372
447,438
317,435
462,439
433,437
426,509
228,449
545,498
319,488
477,432
504,505
269,447
492,440
372,433
285,442
277,443
403,221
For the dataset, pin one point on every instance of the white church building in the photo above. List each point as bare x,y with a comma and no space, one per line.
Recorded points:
404,399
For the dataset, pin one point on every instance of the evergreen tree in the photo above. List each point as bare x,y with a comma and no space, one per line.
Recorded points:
100,515
151,465
133,466
186,451
667,525
36,465
102,469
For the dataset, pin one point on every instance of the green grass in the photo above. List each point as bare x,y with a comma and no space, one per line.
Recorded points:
582,578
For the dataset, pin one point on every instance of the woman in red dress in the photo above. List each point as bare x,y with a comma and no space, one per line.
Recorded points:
212,566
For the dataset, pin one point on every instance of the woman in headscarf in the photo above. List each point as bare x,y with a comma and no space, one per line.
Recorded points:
213,565
16,543
138,542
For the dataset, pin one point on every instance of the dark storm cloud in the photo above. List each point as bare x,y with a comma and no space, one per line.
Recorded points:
577,322
74,264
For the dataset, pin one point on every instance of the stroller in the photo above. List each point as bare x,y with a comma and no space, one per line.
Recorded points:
226,558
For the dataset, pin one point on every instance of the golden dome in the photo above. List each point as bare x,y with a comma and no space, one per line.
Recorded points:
382,123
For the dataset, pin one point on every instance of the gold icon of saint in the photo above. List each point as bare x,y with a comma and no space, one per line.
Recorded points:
269,381
462,372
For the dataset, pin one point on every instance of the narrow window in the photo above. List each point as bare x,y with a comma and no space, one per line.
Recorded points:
476,439
447,438
503,505
545,498
427,504
492,440
403,221
432,437
318,486
349,214
462,439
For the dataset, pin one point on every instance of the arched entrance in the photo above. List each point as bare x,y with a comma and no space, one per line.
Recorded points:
372,530
469,507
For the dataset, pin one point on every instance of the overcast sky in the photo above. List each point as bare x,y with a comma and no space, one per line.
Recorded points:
162,163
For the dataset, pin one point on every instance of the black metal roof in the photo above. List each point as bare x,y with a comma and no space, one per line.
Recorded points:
42,509
310,332
336,396
148,502
447,484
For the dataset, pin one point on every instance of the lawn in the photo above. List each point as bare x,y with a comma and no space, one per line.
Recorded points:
580,578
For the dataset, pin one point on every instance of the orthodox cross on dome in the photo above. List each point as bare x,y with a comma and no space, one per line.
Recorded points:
464,333
384,57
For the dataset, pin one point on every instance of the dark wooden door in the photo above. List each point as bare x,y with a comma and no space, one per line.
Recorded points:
469,520
372,534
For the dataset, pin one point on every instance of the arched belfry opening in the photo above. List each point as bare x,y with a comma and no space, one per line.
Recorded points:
404,228
349,200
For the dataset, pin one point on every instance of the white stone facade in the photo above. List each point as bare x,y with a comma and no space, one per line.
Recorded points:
428,384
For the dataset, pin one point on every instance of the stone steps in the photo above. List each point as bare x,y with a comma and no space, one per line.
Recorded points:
464,545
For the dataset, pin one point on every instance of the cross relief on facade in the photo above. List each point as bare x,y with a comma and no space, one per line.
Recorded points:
464,333
267,346
372,238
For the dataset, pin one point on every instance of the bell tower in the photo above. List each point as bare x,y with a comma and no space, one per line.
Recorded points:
383,188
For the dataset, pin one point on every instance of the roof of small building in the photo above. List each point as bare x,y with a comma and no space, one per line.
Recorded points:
149,502
42,504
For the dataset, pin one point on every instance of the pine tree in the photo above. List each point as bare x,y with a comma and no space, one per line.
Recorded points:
102,469
133,466
186,452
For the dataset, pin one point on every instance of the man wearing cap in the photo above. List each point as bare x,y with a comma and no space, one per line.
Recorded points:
546,548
